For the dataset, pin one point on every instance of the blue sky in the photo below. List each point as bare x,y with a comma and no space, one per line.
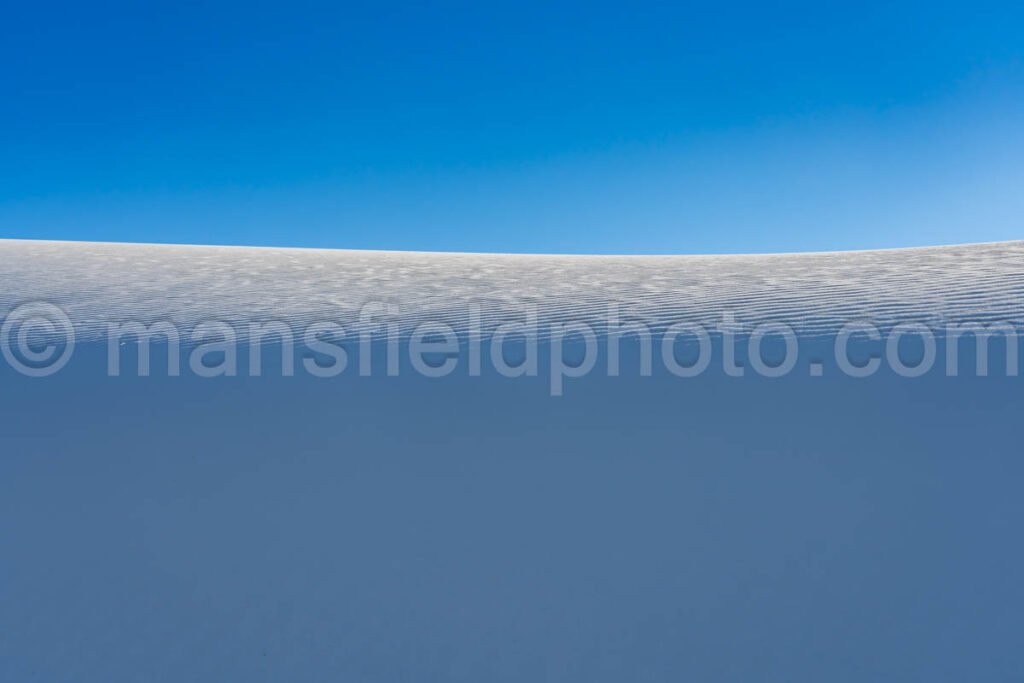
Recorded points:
569,127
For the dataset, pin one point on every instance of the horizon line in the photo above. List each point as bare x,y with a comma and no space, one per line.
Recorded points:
506,253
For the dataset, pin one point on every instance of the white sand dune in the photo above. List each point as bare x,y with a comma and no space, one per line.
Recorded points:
468,529
814,293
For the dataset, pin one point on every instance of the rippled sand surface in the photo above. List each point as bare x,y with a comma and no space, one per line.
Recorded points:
814,293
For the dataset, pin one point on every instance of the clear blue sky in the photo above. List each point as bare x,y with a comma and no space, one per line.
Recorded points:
567,127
